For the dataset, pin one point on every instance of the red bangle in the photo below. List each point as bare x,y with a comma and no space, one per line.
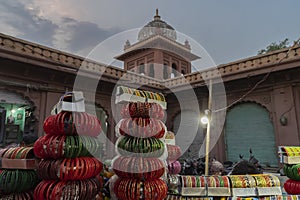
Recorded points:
89,166
56,192
15,151
76,168
57,123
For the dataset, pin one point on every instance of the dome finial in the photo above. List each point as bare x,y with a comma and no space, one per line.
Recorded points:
156,17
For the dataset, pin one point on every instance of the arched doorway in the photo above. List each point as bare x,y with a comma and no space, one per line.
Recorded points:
248,125
16,118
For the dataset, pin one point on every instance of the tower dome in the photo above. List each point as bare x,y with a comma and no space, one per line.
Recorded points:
157,27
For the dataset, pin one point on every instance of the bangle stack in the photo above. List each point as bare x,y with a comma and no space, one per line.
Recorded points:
142,93
174,152
144,110
18,177
133,189
141,127
72,123
62,146
78,189
17,181
292,187
69,169
68,154
140,147
266,180
174,167
18,196
242,181
139,167
146,147
18,153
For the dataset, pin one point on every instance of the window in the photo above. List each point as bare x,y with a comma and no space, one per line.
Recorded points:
174,69
166,72
151,70
142,68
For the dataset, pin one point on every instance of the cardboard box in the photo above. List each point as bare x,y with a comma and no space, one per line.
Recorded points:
219,191
19,163
244,192
77,104
291,160
288,157
125,97
193,191
243,185
268,191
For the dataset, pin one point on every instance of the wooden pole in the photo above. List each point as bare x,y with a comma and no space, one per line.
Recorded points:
208,128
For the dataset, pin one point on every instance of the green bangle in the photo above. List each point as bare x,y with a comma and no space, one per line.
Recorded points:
23,181
135,145
11,181
15,181
82,144
86,144
93,145
68,147
6,181
18,155
73,148
78,146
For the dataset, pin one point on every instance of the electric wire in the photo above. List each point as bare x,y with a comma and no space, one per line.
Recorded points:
260,81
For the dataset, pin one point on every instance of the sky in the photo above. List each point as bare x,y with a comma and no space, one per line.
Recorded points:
226,30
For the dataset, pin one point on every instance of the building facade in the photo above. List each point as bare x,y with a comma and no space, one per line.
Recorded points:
262,93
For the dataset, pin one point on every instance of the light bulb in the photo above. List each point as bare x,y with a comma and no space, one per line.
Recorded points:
204,120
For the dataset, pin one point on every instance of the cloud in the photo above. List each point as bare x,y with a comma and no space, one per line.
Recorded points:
21,22
28,21
79,36
228,31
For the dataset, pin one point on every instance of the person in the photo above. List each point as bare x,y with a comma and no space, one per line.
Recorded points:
108,174
10,119
216,168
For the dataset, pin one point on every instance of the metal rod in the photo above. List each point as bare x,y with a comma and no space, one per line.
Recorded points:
208,128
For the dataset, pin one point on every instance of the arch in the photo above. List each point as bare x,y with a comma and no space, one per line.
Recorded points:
254,102
248,125
17,116
9,93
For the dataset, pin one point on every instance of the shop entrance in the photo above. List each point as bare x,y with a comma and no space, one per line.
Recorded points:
16,118
248,125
